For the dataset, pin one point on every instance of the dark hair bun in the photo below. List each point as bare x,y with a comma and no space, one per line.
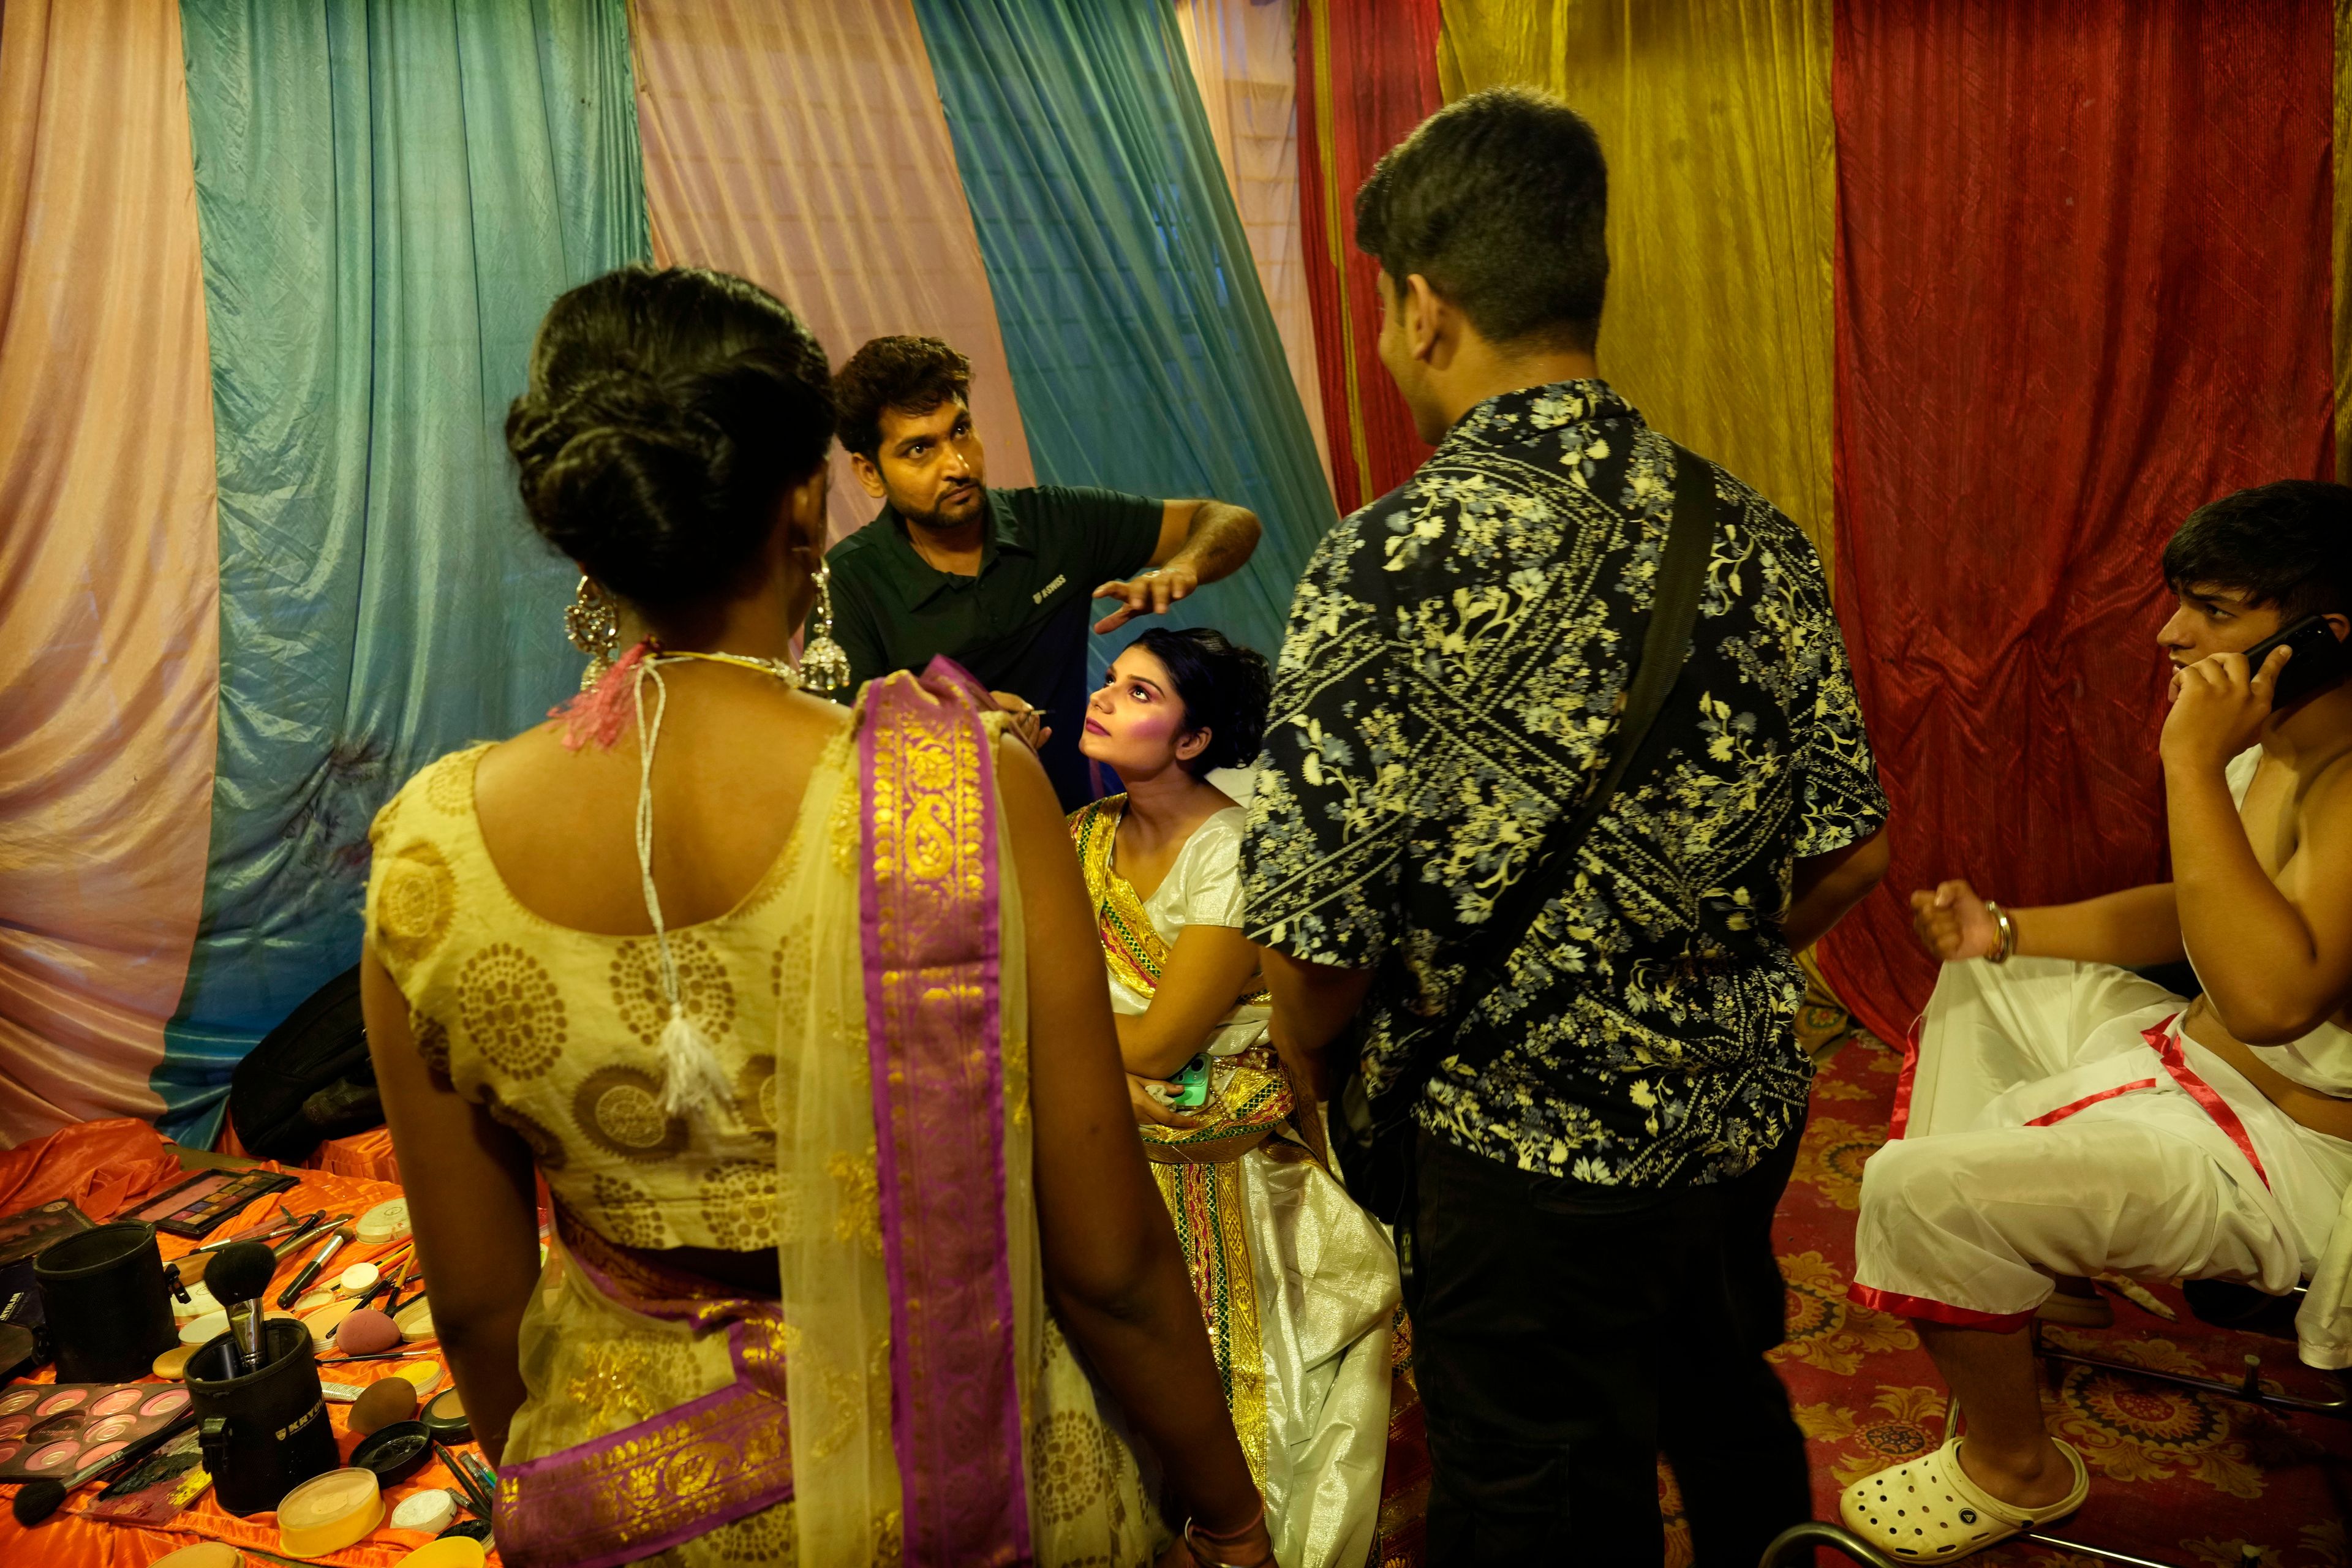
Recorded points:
668,411
1226,690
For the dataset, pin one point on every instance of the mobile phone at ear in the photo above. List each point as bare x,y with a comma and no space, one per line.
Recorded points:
2321,659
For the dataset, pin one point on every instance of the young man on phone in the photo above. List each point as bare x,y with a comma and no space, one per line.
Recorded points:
2062,1117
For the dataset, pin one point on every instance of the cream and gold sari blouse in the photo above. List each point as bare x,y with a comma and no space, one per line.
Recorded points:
553,1031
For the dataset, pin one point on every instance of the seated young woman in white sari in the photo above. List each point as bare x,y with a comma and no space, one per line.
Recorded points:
793,1008
1295,1282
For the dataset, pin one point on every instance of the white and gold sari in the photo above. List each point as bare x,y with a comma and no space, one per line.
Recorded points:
1297,1283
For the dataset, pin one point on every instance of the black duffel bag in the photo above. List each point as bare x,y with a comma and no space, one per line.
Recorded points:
310,1079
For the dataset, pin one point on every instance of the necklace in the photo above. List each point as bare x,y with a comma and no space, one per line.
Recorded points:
782,669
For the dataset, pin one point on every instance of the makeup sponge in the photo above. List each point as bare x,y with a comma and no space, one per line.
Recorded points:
364,1331
386,1402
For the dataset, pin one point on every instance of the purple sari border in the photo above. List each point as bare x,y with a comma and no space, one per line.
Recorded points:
712,1460
928,920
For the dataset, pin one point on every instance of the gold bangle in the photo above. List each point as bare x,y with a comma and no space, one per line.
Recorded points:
2008,933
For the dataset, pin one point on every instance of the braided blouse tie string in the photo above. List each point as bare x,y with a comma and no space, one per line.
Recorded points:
691,1079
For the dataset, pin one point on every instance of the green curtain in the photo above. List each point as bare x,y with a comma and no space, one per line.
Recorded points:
1139,337
391,193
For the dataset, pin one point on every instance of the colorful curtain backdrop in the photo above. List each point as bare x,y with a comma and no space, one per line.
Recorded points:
1715,116
1243,59
391,192
1366,75
2083,286
804,147
1141,346
107,585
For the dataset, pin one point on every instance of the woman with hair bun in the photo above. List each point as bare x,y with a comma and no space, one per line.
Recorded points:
794,1009
1297,1284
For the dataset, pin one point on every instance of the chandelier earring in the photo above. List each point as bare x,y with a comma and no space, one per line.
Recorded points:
592,622
824,664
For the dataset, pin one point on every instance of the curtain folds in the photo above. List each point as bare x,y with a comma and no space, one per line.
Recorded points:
805,148
1366,75
2083,279
1243,58
391,195
108,585
1715,117
1140,343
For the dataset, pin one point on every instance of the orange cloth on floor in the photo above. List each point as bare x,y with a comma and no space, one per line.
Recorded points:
67,1163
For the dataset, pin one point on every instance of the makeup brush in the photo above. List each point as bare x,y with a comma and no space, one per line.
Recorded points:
482,1506
241,1274
307,1231
320,1259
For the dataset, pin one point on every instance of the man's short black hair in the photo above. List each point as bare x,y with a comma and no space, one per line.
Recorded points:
1501,200
2287,543
913,376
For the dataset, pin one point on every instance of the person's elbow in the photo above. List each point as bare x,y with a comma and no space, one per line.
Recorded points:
1106,1282
2274,1017
1867,867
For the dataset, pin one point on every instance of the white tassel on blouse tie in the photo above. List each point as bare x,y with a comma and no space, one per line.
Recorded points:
691,1079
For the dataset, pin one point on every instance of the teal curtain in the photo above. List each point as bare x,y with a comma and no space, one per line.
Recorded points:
1140,343
391,193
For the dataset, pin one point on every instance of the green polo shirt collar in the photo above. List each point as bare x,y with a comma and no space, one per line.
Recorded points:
924,582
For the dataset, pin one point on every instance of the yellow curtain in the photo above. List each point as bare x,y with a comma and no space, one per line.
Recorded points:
1715,115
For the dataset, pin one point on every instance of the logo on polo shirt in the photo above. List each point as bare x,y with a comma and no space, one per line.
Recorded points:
1040,596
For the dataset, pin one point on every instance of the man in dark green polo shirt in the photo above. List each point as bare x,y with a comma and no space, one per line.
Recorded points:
1000,581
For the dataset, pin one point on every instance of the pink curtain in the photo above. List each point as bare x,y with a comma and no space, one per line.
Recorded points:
803,147
1241,57
109,557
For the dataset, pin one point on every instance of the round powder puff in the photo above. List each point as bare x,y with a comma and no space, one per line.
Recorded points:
430,1511
365,1332
210,1326
385,1222
415,1319
449,1552
360,1277
204,1554
386,1402
423,1373
199,1302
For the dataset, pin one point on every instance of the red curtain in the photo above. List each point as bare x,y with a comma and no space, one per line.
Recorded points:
1366,75
2083,286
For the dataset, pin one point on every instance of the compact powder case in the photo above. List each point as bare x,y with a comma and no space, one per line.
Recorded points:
329,1513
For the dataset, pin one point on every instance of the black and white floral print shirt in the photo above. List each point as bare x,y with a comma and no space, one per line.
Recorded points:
1448,688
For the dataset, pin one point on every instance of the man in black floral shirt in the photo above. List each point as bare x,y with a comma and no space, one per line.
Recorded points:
1602,1144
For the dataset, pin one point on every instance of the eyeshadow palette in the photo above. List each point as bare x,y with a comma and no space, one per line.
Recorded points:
68,1432
201,1205
28,1231
155,1489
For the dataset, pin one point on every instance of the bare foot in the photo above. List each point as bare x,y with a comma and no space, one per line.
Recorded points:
2040,1481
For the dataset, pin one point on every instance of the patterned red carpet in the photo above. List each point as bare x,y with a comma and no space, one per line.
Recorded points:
2177,1477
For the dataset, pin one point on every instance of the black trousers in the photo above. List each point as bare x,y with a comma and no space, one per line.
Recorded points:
1566,1334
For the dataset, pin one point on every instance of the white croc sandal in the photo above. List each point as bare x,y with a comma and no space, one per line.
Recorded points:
1929,1510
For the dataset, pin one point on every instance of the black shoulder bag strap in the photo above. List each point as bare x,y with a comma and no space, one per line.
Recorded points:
1373,1139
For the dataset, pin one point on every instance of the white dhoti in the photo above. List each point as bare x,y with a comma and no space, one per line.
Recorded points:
2053,1121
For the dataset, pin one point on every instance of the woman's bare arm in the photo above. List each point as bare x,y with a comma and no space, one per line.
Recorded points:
1110,1256
474,1207
1208,970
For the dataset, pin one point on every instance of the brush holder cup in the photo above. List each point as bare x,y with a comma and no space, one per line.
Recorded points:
107,1300
264,1432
